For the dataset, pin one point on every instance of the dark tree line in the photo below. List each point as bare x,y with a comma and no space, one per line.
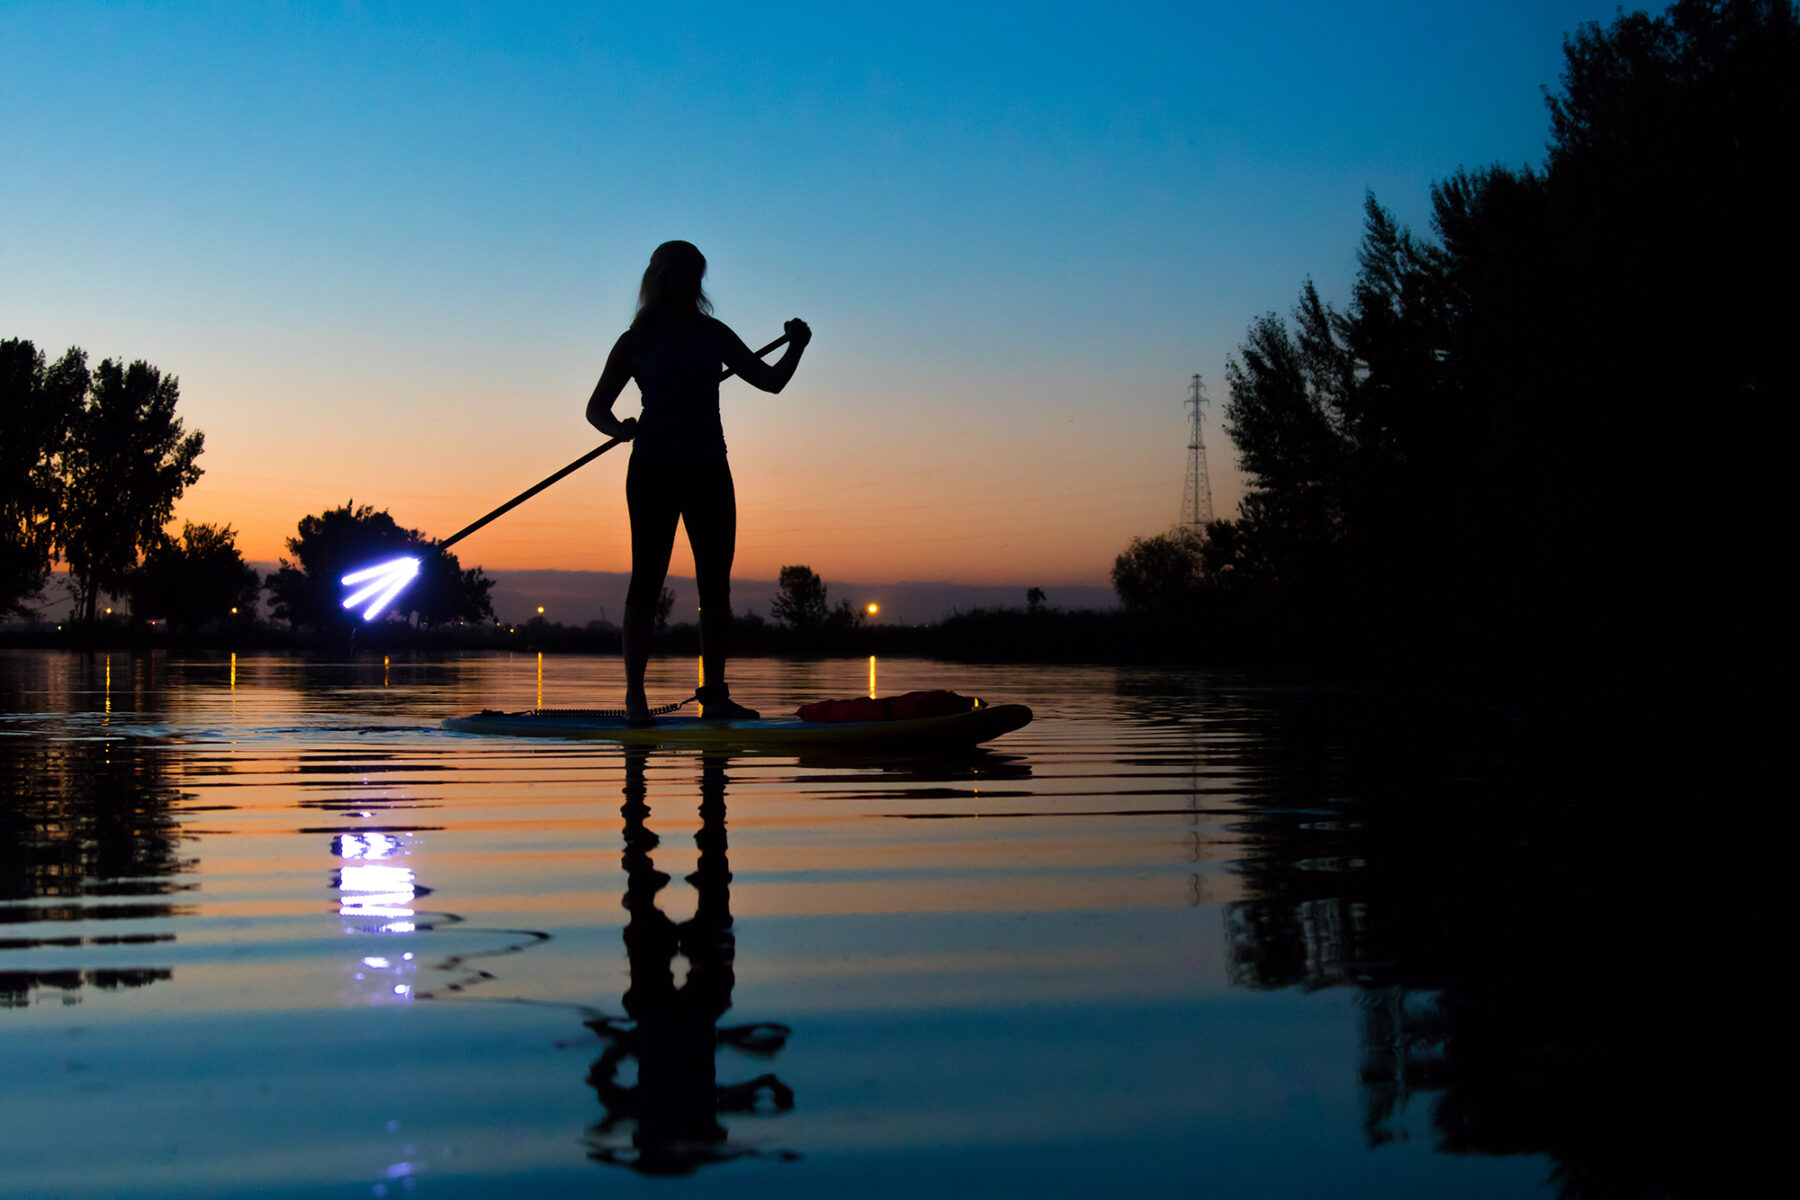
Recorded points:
91,464
1556,427
197,579
38,401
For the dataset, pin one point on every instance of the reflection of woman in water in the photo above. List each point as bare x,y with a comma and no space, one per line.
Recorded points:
674,349
673,1031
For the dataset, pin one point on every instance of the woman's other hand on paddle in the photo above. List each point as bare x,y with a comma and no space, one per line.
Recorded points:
798,332
603,420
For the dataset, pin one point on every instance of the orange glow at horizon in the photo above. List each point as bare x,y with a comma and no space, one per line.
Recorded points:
878,474
975,510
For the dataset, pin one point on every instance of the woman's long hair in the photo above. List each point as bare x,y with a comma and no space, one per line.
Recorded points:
671,286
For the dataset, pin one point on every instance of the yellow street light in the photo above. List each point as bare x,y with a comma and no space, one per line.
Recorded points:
874,608
540,610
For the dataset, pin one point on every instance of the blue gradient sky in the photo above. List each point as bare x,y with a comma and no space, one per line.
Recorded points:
386,247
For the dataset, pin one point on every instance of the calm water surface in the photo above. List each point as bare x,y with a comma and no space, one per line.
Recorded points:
265,928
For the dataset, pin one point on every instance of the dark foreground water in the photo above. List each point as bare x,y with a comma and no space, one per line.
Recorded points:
265,929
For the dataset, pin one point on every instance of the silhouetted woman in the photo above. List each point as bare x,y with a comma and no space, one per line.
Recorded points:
675,349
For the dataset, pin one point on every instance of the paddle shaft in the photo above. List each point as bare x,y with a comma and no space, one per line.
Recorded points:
579,463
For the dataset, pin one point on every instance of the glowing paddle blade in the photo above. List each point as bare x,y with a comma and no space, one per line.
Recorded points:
356,598
385,599
385,568
384,582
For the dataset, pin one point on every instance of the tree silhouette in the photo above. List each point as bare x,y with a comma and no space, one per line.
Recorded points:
307,590
38,406
1160,572
446,591
1558,425
801,605
197,579
128,461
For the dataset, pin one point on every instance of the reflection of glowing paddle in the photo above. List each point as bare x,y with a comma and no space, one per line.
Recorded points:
385,581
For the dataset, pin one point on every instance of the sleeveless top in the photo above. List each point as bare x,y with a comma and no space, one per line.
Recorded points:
677,371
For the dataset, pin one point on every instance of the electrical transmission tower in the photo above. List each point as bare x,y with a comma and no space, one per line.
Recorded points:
1196,495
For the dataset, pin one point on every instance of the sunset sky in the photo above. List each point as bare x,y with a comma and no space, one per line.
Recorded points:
387,247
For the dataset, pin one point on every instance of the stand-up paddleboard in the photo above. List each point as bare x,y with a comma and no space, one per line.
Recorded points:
981,723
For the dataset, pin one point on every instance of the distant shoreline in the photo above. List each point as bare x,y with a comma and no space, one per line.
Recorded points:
579,597
983,635
1579,677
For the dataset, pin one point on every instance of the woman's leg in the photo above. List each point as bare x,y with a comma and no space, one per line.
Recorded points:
710,514
651,497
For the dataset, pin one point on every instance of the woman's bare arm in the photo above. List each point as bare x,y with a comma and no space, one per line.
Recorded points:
613,378
770,377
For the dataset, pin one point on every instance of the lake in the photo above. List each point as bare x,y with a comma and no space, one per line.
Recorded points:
264,927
